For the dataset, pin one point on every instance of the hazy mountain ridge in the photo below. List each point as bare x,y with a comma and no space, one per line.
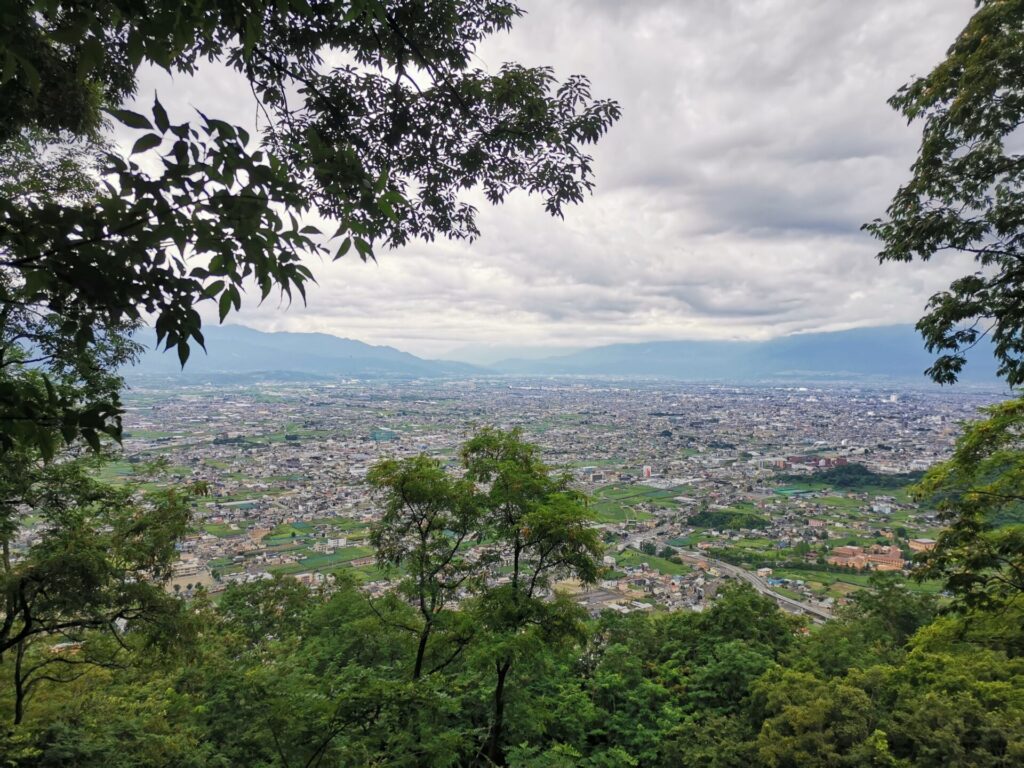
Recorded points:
234,350
890,352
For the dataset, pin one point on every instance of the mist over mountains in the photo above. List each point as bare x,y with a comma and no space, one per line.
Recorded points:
891,352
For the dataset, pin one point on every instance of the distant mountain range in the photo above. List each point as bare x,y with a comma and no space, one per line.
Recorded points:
891,352
895,352
237,352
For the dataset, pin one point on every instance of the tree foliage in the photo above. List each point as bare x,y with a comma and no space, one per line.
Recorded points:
518,513
284,676
98,563
385,148
52,388
428,519
980,495
966,192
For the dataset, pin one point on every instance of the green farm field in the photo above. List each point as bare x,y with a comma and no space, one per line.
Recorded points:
836,584
634,558
320,562
616,503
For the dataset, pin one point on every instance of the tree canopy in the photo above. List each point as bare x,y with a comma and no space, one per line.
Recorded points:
966,194
53,389
384,148
514,510
966,191
980,495
283,676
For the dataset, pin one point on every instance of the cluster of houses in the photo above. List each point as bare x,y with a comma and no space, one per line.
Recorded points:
279,453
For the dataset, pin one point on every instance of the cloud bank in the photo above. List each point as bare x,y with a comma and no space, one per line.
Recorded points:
755,141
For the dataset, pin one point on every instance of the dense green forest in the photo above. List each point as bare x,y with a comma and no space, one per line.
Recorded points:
102,666
275,675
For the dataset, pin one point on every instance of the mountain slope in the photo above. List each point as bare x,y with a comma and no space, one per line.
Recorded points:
895,352
236,350
892,352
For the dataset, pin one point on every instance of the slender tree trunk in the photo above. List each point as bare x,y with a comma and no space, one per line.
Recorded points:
19,685
421,651
494,751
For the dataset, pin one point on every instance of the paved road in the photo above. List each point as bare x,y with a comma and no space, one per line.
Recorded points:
786,603
817,613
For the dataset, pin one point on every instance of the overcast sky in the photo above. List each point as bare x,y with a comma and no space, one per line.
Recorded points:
755,140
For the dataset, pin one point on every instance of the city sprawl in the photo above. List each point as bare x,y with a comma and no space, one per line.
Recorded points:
799,490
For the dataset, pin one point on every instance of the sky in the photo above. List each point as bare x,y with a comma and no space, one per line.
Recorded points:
755,141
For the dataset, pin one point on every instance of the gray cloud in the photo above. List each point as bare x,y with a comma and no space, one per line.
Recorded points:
755,141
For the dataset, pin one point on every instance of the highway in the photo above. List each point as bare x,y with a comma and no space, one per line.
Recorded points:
818,614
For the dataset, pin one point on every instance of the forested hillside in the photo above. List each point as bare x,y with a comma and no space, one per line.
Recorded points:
277,675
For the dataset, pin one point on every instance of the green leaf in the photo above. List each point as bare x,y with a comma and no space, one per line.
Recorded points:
364,248
68,34
90,57
31,74
131,119
51,393
10,67
92,439
183,352
36,281
224,305
146,142
160,116
134,47
387,210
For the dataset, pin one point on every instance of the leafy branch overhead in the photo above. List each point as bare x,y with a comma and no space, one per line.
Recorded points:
370,146
55,384
966,192
130,252
384,148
